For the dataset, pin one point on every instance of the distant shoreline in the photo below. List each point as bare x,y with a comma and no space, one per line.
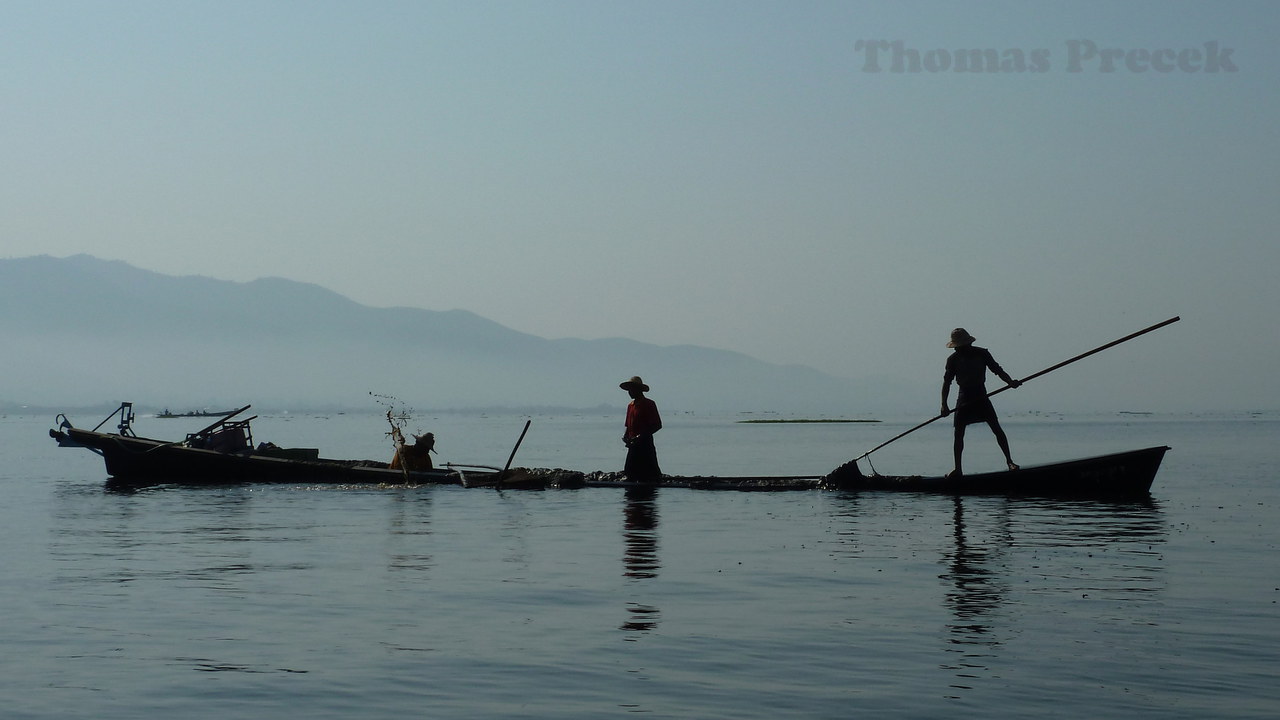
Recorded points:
804,421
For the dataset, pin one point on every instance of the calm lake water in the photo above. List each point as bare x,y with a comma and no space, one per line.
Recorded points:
440,602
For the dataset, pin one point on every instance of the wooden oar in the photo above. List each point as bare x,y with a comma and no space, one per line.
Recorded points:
498,482
1024,380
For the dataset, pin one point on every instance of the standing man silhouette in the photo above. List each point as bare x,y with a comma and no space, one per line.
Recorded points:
967,366
642,422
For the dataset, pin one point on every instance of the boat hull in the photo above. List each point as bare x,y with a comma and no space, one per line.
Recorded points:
1126,474
142,461
135,460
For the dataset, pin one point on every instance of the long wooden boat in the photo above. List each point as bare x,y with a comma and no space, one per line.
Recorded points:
147,461
167,415
1124,474
224,454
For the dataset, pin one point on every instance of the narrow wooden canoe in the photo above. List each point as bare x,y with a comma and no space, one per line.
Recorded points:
1125,474
132,460
143,461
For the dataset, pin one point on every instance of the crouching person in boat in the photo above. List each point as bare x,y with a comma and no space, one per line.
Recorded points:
415,457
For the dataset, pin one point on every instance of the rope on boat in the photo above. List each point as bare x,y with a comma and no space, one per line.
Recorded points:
874,473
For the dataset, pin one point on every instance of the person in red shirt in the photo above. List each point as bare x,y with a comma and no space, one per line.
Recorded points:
642,422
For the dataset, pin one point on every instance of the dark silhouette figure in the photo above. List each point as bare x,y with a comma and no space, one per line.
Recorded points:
642,422
968,366
415,457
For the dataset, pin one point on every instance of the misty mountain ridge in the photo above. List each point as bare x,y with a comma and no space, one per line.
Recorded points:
83,331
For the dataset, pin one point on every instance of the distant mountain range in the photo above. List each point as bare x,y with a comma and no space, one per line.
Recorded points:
81,331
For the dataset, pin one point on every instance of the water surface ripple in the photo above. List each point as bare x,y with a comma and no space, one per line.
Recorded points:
392,602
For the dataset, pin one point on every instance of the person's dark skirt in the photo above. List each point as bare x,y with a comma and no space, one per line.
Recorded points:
973,411
642,461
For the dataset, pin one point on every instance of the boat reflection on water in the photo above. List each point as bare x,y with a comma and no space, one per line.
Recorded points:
640,558
1055,550
1010,569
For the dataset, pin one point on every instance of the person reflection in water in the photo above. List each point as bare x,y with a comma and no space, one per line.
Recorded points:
640,524
642,422
967,366
640,562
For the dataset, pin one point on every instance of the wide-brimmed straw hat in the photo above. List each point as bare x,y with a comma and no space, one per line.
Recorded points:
960,338
634,383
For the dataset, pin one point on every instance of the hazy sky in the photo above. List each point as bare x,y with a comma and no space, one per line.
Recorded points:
728,174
